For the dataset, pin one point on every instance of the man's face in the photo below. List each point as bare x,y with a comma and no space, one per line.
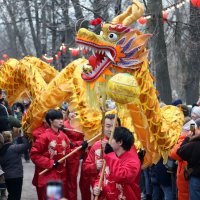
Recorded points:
71,115
109,126
56,123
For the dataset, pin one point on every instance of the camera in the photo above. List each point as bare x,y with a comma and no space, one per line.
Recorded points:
192,128
54,190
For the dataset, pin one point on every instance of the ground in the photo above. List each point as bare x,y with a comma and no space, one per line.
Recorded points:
28,190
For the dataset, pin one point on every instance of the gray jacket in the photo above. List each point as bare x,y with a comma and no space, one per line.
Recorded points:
10,158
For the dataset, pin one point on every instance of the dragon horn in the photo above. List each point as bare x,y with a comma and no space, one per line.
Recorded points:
133,12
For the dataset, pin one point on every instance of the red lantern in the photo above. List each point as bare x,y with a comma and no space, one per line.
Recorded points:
74,52
64,49
49,60
165,16
142,20
59,53
5,56
196,3
1,62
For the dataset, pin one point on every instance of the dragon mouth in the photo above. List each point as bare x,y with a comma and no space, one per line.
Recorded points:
102,57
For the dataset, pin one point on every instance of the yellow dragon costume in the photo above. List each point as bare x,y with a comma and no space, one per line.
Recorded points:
118,48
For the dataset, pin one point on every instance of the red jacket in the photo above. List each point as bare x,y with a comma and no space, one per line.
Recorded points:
121,179
73,135
39,131
182,184
50,146
89,166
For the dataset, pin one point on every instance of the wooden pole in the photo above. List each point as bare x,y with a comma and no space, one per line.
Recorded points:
77,131
71,153
103,123
101,177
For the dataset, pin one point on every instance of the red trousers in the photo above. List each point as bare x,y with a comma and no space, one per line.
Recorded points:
72,166
84,185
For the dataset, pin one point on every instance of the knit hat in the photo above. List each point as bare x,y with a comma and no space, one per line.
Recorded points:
196,111
177,102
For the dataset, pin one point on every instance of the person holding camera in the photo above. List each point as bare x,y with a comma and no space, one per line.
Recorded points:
182,184
190,152
46,150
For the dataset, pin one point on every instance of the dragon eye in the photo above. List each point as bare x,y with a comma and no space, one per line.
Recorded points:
112,36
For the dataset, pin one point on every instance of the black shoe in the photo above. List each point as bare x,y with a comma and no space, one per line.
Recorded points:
148,197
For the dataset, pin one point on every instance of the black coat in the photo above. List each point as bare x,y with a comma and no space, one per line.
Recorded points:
190,151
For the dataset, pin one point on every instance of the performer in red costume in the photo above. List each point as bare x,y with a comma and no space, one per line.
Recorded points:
72,164
52,145
93,163
122,172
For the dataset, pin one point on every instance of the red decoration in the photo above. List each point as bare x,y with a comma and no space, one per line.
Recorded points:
96,21
5,56
196,3
59,53
1,62
165,16
46,59
64,49
142,20
74,52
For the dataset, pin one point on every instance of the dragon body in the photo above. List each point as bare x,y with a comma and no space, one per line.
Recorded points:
118,48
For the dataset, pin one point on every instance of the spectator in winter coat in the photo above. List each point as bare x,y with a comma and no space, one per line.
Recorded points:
190,152
11,163
182,184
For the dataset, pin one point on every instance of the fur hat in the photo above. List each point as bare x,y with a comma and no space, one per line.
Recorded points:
1,140
7,135
185,109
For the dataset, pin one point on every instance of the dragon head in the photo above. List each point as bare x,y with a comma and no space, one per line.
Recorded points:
117,46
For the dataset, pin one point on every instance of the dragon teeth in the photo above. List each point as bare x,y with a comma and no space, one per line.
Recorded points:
108,54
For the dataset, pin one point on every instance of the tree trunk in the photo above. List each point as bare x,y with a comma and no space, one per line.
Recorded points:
159,51
44,31
35,39
118,7
67,34
16,30
192,80
11,39
38,26
54,29
180,51
79,15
